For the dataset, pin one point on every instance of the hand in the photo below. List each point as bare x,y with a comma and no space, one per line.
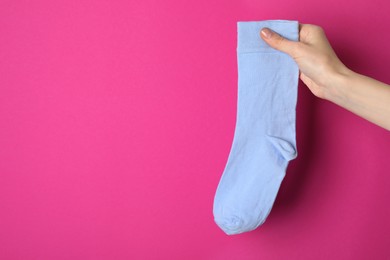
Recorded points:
328,78
318,64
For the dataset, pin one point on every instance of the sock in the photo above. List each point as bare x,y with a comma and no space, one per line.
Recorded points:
264,137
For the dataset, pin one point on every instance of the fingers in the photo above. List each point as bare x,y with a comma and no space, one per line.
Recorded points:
278,42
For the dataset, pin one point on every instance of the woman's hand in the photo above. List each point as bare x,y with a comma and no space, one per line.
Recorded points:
328,78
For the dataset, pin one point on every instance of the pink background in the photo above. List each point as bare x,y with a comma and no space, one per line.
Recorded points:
117,117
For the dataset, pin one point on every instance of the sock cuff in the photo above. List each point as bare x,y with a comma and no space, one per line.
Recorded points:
248,34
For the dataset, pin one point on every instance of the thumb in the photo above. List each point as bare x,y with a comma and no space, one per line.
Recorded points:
277,41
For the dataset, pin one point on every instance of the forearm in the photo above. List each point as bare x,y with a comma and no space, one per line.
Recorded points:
363,96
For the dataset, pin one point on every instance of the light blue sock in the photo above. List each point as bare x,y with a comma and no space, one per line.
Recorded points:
264,137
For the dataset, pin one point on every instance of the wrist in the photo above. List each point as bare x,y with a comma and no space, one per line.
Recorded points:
339,84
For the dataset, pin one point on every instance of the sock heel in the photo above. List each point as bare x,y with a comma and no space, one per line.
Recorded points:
285,148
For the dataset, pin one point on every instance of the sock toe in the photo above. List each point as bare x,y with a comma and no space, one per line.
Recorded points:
233,224
230,225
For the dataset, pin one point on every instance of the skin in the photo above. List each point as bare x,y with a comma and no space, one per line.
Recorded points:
328,78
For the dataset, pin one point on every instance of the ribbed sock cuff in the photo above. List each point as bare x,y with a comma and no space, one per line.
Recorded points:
249,39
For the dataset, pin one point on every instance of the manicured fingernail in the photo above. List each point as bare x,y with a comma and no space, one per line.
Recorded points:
267,33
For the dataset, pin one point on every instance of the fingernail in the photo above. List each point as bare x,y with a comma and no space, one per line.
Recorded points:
267,33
